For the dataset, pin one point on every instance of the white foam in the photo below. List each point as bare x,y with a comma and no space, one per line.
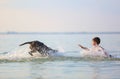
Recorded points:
92,53
61,49
22,52
18,52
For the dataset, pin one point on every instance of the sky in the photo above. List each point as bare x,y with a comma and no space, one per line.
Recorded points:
60,15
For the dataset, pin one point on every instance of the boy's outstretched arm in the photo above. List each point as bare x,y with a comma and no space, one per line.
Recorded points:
85,48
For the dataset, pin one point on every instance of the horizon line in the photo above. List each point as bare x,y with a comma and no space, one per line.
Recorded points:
13,32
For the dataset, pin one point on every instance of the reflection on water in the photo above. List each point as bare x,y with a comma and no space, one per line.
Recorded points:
96,73
61,69
69,70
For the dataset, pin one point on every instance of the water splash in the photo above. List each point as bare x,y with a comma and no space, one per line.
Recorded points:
60,49
18,52
21,52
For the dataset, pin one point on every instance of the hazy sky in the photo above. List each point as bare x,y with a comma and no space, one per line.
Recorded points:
59,15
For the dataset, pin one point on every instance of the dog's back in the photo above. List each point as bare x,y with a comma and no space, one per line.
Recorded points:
38,46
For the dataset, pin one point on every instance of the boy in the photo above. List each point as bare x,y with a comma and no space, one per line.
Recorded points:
96,48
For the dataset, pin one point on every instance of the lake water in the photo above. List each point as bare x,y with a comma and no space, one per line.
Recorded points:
69,66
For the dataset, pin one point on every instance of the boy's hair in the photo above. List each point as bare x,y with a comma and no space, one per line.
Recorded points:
97,40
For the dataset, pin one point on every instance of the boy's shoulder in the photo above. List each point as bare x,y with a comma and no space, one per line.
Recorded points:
101,48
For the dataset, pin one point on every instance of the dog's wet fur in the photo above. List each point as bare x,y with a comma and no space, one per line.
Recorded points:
37,46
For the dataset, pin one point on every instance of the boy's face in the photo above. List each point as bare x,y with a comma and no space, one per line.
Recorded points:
94,43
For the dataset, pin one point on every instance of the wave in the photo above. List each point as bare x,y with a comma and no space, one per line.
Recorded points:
20,54
59,58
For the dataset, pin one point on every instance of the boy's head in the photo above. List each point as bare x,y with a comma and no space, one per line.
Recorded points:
95,41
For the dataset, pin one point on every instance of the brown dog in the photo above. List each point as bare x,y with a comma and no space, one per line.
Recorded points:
40,47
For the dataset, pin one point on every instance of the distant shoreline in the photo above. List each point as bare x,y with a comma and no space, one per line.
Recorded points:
46,33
